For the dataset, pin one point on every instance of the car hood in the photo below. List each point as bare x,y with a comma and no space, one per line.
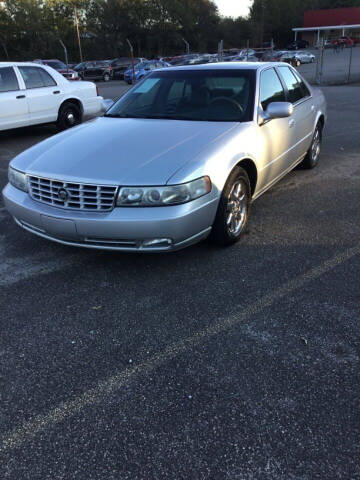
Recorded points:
121,151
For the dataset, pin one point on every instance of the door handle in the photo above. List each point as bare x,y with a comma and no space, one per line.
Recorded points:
56,92
21,96
292,123
312,108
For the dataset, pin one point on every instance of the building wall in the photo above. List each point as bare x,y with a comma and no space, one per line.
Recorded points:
336,16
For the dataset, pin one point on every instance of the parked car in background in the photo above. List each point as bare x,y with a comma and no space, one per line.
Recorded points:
290,57
60,67
95,70
33,94
143,69
305,57
298,45
241,58
179,157
121,64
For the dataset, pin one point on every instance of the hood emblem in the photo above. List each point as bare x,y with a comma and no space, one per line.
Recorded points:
63,194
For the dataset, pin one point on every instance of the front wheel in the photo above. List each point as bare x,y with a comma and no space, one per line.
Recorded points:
233,210
69,116
313,154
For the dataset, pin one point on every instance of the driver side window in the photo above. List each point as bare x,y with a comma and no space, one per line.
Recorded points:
271,89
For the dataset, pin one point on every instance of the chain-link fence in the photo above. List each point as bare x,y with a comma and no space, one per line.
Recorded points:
333,65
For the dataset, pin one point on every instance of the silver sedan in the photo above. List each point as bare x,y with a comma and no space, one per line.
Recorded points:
178,158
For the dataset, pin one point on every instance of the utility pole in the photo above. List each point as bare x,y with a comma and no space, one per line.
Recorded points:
66,54
78,32
187,46
132,61
262,22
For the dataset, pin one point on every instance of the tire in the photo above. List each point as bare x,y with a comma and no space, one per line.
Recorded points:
106,77
233,210
312,157
69,116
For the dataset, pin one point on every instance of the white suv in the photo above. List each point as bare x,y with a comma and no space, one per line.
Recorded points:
33,94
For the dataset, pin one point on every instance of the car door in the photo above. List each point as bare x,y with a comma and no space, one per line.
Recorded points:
43,94
14,110
98,70
303,118
274,136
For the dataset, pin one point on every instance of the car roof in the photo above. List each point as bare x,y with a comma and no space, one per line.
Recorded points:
20,64
227,66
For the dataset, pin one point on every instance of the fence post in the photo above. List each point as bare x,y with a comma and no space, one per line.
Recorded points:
350,62
320,64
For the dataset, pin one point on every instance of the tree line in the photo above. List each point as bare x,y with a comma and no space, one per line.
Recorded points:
32,29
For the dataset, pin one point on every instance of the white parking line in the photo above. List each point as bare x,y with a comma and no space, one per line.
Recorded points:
104,388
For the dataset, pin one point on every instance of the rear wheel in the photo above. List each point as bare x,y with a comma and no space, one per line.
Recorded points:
233,210
313,154
106,77
69,116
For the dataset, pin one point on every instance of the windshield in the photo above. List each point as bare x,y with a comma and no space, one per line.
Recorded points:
198,95
57,65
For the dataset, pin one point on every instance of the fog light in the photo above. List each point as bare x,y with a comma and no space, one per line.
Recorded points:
157,242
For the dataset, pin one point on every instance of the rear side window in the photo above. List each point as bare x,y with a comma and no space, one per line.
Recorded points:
35,77
304,88
8,80
271,89
47,79
292,84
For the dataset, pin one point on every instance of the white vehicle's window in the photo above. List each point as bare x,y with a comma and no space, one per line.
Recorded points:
8,80
198,95
295,92
271,89
35,77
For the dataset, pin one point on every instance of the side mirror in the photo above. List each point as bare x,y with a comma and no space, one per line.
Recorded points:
276,110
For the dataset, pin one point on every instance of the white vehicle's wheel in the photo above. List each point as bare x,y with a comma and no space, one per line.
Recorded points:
69,116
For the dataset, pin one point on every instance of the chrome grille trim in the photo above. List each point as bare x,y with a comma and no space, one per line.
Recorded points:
82,196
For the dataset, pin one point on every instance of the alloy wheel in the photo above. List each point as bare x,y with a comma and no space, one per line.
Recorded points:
236,208
316,147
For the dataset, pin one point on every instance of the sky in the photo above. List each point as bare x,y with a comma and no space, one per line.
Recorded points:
233,8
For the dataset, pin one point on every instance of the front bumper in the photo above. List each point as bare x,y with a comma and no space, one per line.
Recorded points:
122,229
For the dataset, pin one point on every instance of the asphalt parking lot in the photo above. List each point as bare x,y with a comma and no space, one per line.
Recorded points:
208,363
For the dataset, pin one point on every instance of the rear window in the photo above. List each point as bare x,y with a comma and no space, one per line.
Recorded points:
36,77
8,80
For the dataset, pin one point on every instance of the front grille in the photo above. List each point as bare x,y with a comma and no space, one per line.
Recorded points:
75,196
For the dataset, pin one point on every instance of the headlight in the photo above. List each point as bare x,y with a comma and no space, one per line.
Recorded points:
17,179
163,196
